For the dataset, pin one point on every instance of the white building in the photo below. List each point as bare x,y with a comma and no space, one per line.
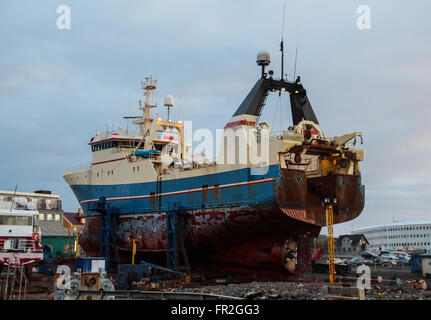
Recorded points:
398,236
49,205
42,199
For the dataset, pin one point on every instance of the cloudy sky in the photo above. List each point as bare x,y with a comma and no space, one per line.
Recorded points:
57,87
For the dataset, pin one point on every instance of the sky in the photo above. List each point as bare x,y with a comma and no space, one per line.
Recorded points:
57,87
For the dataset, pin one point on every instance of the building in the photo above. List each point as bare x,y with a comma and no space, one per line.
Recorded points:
73,221
42,200
54,235
351,245
398,236
345,245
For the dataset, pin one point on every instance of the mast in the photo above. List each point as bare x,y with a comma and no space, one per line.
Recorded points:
282,58
282,43
146,121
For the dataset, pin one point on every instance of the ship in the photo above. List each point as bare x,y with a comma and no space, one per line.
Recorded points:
20,234
251,214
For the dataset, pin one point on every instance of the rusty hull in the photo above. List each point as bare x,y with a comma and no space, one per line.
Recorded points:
250,237
303,198
238,237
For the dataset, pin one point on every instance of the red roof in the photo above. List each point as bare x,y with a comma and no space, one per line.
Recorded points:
73,218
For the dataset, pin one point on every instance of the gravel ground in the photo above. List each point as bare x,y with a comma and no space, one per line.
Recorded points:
264,290
306,291
381,292
315,289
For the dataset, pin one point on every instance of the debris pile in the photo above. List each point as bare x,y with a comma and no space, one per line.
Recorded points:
264,290
308,291
405,292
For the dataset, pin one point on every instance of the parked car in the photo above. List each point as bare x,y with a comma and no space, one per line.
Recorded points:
369,262
405,256
388,256
370,256
384,252
356,261
402,262
345,261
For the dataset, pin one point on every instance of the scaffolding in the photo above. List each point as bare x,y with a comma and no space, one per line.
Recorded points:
176,254
107,234
16,283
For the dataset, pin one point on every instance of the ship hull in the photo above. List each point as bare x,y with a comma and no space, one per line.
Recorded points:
245,224
291,191
241,237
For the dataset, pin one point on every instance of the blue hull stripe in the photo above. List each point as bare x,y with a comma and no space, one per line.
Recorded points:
246,189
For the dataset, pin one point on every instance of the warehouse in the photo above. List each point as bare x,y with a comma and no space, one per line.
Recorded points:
415,235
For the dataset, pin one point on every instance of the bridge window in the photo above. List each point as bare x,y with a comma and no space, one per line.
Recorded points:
104,145
7,220
159,146
17,220
23,221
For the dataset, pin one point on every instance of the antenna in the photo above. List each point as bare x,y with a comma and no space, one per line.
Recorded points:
296,53
282,59
282,42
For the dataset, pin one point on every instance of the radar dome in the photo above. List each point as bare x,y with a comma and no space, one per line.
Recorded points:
263,58
169,101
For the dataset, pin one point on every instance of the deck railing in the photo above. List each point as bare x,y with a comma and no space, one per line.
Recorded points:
76,169
16,244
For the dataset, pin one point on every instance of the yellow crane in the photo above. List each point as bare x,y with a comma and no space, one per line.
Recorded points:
331,255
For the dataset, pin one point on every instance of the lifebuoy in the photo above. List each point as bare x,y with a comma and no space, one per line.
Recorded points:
35,236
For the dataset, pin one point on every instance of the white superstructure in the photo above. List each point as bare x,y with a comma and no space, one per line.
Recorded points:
20,234
398,236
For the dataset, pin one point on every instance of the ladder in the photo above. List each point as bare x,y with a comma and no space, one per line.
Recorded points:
331,255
